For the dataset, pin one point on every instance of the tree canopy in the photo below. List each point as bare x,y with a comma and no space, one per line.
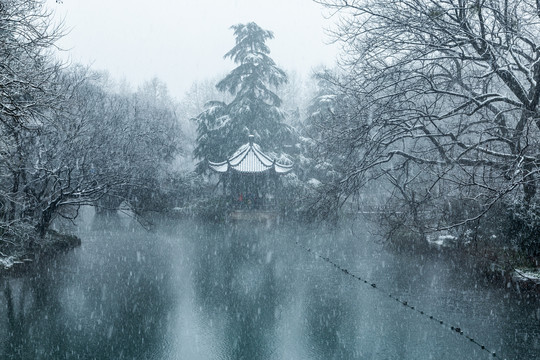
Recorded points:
223,127
447,104
67,139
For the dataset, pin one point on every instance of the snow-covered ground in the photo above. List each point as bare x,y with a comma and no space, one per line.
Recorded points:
8,262
442,240
532,275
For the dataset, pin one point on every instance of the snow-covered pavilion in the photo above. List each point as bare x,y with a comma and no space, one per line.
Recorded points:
249,176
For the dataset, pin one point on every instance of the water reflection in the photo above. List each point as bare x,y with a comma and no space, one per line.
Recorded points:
32,308
329,324
103,304
199,291
236,285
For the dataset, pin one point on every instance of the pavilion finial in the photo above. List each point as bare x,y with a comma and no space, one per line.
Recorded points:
251,137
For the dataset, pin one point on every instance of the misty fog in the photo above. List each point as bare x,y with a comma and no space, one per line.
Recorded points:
321,179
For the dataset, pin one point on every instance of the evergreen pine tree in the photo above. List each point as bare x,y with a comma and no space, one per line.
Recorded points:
222,127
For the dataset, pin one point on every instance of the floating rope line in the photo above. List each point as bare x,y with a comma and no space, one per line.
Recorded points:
403,302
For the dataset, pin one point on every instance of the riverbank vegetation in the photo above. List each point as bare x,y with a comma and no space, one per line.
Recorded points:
435,106
70,136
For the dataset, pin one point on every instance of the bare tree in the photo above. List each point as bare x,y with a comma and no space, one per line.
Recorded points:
451,93
27,78
66,139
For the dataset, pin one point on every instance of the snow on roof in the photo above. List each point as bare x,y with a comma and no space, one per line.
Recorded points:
249,158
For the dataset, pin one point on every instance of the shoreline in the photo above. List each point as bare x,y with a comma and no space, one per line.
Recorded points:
22,259
501,264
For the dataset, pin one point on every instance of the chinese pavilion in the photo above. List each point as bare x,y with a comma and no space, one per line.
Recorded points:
250,177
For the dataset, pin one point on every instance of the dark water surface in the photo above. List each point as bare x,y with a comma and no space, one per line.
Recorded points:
194,291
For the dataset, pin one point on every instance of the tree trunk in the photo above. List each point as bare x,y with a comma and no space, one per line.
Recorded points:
44,222
529,184
46,217
14,190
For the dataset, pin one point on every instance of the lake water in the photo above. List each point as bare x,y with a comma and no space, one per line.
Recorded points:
188,290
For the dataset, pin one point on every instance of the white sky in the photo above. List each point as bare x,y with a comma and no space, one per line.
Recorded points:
181,41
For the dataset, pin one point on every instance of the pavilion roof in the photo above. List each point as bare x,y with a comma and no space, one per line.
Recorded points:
249,158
